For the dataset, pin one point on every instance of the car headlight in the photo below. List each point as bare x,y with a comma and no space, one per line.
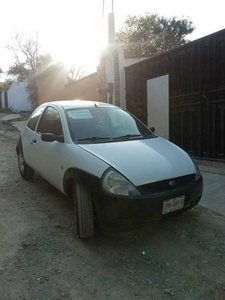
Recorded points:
114,183
198,174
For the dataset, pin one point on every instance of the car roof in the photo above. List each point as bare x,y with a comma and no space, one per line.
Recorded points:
69,104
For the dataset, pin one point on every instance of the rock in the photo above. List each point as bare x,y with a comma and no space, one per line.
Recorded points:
204,262
168,291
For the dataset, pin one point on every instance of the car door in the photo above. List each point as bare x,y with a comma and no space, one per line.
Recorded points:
29,134
47,157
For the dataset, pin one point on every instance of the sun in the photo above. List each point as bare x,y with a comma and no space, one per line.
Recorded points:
70,31
84,53
74,38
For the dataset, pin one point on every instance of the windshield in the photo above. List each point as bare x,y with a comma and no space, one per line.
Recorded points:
104,124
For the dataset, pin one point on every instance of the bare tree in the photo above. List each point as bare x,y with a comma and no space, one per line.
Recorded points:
76,72
28,65
25,53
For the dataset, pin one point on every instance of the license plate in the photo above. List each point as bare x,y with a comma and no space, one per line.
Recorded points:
173,204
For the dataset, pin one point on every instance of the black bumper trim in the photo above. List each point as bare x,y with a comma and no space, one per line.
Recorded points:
119,213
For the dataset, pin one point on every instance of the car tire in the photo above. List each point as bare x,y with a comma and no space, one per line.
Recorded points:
84,212
25,171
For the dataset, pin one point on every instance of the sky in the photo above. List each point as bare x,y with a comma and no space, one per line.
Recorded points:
74,31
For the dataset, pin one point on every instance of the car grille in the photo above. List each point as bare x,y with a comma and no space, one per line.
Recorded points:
166,185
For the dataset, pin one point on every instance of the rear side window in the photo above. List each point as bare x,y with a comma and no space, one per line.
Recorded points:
34,119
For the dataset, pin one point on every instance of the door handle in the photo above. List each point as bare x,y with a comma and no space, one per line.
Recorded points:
33,142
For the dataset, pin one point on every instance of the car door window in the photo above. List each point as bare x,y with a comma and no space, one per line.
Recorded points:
34,119
50,122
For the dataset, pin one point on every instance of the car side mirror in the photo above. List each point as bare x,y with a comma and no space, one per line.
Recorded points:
152,129
48,137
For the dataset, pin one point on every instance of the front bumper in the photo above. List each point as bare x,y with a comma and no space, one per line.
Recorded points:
120,213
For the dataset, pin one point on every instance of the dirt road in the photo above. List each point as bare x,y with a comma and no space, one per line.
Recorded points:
41,258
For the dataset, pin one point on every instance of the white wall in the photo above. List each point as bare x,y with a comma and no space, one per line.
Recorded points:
158,105
18,98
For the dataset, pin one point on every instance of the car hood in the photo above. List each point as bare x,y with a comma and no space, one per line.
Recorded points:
144,161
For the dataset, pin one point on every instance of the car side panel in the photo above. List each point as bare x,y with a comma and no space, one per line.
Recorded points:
26,139
80,159
52,159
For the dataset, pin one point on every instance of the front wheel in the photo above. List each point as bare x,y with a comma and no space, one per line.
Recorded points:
25,171
84,212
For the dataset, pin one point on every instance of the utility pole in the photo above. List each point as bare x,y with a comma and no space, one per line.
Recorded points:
111,26
37,43
103,13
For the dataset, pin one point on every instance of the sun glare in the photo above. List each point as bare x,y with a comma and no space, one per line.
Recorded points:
84,53
74,37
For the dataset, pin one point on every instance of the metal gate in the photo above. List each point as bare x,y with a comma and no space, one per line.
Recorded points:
197,116
196,94
199,127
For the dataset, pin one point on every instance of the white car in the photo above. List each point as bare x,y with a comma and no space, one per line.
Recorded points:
118,172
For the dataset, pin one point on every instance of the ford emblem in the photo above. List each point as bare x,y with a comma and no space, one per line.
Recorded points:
172,183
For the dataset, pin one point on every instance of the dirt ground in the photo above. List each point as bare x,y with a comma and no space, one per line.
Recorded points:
41,258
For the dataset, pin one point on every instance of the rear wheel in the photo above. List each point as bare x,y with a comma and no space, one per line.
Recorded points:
25,171
84,213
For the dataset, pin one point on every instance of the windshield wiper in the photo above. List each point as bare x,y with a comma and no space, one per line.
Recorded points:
127,136
93,139
132,136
